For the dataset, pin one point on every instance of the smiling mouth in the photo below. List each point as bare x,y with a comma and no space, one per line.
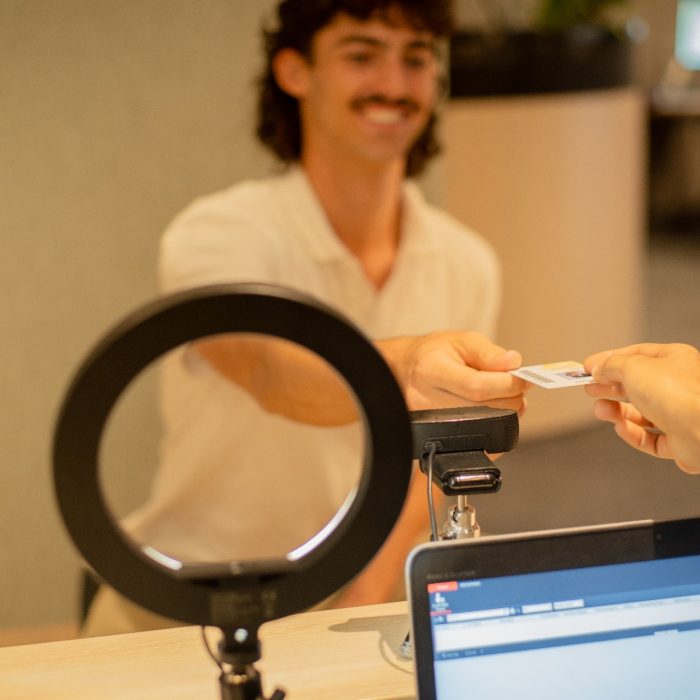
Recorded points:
383,115
385,112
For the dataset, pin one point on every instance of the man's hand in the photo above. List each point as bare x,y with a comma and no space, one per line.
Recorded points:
450,368
651,393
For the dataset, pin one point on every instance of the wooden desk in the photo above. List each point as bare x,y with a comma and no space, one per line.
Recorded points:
329,655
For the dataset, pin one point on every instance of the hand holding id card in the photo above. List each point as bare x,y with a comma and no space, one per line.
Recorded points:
559,375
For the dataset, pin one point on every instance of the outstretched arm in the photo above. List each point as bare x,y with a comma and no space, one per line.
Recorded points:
651,393
435,370
284,378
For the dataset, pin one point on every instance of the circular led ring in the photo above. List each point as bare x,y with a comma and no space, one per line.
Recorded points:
241,595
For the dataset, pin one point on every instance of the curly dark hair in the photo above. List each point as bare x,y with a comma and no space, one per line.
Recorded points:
278,121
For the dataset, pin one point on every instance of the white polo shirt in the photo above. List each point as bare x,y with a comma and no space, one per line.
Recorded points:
234,481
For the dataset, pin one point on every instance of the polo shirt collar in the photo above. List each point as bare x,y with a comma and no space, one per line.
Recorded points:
309,222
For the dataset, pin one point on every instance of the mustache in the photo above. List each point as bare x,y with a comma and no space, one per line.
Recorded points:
384,101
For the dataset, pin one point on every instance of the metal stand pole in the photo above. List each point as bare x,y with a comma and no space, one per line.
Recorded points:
236,655
461,521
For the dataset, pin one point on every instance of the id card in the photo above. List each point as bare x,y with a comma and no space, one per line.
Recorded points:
555,375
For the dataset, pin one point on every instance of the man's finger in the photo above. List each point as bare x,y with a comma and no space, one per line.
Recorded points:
479,352
481,387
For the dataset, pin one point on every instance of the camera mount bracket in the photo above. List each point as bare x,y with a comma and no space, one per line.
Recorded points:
453,446
460,474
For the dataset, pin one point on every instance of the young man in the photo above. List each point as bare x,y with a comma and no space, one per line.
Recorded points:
348,104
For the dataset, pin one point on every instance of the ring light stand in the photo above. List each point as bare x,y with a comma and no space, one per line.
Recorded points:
240,596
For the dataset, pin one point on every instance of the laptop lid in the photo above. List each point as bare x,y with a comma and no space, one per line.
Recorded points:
599,612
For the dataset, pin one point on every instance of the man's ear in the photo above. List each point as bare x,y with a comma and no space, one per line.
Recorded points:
291,71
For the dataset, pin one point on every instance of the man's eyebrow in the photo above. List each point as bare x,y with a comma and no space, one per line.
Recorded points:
359,39
415,44
427,44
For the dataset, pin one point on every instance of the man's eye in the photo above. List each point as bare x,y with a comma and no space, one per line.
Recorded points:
416,62
359,58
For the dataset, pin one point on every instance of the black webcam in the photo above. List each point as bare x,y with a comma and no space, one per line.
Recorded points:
453,445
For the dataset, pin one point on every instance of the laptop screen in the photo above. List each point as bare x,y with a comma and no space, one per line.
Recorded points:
687,42
628,629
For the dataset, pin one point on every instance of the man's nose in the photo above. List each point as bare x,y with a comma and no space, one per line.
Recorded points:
392,80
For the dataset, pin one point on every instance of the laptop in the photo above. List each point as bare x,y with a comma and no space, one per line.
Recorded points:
598,612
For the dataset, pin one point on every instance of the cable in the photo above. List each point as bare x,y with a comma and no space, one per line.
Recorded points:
207,646
406,648
432,449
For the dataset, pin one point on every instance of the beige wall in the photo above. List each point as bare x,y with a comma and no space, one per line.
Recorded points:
113,115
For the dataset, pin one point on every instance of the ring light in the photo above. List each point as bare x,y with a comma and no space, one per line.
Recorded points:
243,595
